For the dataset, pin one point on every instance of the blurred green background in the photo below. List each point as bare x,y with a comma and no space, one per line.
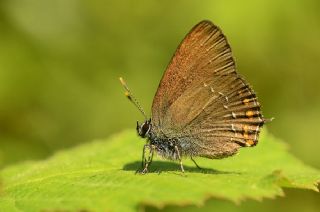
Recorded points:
60,62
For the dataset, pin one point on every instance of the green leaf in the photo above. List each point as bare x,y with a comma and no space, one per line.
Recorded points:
100,176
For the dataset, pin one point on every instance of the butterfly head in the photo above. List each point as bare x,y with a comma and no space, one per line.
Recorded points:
144,129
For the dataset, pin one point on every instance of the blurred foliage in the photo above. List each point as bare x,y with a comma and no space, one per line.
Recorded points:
100,176
292,202
60,62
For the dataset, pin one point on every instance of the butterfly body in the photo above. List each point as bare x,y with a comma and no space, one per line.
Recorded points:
164,146
168,146
202,106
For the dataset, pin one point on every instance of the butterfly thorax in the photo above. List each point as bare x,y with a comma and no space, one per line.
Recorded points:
164,146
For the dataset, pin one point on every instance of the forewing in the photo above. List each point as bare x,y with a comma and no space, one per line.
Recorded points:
202,97
181,71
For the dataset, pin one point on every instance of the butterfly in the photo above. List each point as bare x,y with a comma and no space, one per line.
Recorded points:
202,107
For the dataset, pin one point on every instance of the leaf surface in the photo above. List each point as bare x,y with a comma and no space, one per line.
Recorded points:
100,176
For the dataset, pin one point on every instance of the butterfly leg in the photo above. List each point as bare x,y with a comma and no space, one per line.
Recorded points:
195,163
146,161
143,161
179,157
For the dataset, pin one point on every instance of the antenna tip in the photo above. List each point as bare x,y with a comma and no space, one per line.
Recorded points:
121,80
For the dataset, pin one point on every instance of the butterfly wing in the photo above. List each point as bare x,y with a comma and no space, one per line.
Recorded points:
203,100
181,72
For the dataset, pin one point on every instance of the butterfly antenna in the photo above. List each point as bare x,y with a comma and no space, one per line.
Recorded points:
132,98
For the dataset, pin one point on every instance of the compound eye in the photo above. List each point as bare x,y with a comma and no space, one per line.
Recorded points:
145,128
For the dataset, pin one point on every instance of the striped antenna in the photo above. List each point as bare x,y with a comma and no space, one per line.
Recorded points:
132,98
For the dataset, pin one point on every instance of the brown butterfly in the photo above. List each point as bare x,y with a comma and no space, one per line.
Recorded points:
202,106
